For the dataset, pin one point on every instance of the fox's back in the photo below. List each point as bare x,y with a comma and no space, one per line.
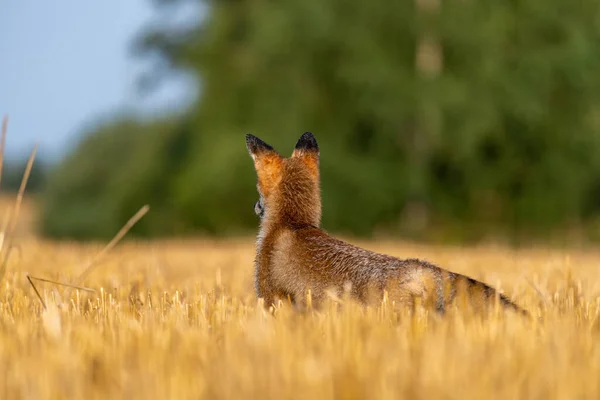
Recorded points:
303,258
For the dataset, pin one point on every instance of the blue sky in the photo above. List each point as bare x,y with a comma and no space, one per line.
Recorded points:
65,64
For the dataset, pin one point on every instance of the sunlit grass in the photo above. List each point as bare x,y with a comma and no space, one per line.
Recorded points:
179,320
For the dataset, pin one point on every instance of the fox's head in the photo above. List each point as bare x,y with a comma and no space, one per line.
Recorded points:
288,188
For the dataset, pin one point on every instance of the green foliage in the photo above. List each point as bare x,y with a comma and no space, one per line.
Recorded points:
112,173
12,176
505,138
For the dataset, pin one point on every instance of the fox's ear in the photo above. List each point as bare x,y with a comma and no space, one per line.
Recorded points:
256,147
307,150
267,162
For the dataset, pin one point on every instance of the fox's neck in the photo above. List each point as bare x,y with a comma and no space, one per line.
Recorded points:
298,204
271,224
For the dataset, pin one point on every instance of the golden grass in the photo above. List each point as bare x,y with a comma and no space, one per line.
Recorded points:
179,320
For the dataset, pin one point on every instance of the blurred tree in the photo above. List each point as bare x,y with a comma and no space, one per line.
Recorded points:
504,136
12,176
111,174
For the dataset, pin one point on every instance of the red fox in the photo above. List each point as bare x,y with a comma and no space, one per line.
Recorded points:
294,255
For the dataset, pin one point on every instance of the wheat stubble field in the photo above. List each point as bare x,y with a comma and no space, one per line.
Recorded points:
179,320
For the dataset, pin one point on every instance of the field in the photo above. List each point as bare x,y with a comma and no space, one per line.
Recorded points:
179,320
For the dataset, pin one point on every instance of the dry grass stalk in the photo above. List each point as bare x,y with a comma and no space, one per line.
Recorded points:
2,143
10,223
93,263
82,288
37,292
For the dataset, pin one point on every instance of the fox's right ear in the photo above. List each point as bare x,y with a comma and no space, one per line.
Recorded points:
267,162
307,150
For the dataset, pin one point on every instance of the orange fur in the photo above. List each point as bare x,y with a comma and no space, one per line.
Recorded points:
269,176
294,255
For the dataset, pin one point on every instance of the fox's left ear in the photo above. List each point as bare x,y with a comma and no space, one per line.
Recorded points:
256,147
307,150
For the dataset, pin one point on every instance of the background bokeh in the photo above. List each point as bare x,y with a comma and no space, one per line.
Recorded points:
443,121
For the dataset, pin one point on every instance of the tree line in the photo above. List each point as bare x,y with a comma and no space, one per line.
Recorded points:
436,119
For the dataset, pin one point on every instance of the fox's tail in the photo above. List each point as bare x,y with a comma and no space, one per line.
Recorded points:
454,287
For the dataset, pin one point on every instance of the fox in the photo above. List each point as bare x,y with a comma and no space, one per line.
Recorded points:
296,256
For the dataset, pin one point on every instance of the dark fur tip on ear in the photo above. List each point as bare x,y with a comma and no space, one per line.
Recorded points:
307,142
255,145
